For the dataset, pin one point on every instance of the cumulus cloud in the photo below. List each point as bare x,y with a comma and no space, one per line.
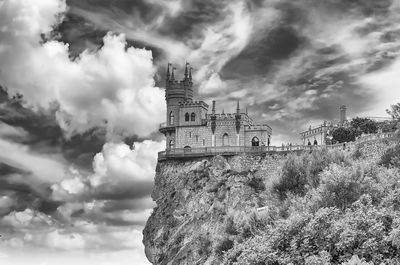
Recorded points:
120,171
41,167
111,88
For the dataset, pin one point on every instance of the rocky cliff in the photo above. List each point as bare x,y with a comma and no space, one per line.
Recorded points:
205,207
196,201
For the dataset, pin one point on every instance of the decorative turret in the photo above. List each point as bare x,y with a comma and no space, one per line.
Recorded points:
173,75
186,71
237,117
168,74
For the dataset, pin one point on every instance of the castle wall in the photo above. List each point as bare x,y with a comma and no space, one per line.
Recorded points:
193,136
170,136
261,135
198,110
227,126
175,110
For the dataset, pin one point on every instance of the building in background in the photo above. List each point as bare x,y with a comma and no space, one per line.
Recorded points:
319,135
189,125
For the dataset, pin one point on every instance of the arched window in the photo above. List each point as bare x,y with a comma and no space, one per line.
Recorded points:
192,117
171,118
255,142
171,144
315,142
225,140
187,117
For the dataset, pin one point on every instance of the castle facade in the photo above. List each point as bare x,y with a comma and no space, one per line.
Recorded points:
190,125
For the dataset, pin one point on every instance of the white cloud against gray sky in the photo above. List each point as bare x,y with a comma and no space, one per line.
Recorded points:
91,74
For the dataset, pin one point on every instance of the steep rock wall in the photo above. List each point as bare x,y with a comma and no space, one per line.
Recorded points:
195,199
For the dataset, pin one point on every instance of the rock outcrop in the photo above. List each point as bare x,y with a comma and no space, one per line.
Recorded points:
196,200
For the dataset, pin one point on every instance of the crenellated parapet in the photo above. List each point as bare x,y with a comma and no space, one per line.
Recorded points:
191,104
258,127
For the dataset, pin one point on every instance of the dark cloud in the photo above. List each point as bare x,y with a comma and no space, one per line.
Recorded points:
194,17
261,56
137,190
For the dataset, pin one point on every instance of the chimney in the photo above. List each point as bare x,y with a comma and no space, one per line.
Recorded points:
343,117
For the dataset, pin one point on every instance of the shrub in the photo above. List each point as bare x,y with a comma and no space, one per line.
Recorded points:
257,184
224,245
299,173
391,157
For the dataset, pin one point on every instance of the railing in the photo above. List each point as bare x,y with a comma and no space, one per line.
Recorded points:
234,150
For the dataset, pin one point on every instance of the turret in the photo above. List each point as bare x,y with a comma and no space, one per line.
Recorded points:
168,75
237,123
213,107
186,71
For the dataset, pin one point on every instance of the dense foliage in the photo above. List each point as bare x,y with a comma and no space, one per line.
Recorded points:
327,207
364,125
344,135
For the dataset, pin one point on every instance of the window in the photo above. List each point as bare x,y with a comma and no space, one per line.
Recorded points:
187,117
171,118
204,141
255,142
190,134
192,117
225,140
171,144
197,138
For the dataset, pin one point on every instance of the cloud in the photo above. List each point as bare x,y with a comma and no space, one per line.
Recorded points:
385,85
120,172
40,167
112,88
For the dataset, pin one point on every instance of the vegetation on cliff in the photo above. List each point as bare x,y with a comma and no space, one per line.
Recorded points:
320,207
331,208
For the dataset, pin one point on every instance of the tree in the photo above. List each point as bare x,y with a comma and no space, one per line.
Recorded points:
364,125
343,135
394,111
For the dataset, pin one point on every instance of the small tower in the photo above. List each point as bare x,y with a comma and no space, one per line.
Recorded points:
237,123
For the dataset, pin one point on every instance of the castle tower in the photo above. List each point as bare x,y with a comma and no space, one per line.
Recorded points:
176,92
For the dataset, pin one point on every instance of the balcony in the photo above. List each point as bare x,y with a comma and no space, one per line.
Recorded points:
165,127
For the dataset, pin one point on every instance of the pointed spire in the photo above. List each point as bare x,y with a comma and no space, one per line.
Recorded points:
173,75
237,107
168,73
213,107
190,73
223,111
186,70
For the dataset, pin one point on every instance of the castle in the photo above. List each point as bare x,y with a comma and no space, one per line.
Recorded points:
189,125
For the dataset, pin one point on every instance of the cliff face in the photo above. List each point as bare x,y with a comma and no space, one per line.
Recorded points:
196,200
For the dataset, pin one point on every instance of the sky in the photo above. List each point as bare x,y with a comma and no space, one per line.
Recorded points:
82,97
